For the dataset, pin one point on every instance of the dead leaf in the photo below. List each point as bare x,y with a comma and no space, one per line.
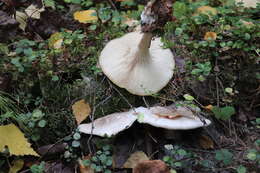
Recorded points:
17,165
130,22
81,110
86,16
207,10
21,18
15,141
151,166
205,142
55,40
34,12
210,36
134,159
208,107
84,169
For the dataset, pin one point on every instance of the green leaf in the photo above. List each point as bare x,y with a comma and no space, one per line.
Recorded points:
188,97
55,78
196,71
223,113
178,31
75,144
181,152
229,90
166,158
140,117
76,136
241,169
247,36
42,123
3,48
86,162
179,9
224,155
37,114
251,155
109,162
227,112
178,164
50,3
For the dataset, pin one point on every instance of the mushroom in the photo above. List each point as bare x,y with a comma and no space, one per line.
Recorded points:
109,125
137,63
248,3
170,117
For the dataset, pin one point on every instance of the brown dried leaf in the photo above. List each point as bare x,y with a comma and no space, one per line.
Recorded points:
81,110
151,166
84,169
17,165
135,158
205,142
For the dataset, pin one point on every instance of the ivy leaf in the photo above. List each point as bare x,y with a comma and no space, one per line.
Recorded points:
223,113
241,169
188,97
224,155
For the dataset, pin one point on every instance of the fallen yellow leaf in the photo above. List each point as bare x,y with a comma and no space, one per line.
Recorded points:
81,110
135,158
17,165
55,41
14,139
207,10
86,16
210,36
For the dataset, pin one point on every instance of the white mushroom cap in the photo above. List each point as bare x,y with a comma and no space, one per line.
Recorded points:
137,63
109,125
249,3
170,117
179,118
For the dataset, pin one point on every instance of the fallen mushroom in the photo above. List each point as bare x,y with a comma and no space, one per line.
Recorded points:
248,3
109,125
170,117
173,118
137,63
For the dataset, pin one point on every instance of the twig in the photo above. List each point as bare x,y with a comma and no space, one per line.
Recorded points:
146,103
124,98
112,4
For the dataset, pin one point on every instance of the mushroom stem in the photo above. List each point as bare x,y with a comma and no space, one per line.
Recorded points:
145,41
143,47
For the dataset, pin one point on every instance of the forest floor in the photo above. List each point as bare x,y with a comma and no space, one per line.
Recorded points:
51,82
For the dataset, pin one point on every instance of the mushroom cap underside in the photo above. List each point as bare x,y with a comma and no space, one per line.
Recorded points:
129,67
